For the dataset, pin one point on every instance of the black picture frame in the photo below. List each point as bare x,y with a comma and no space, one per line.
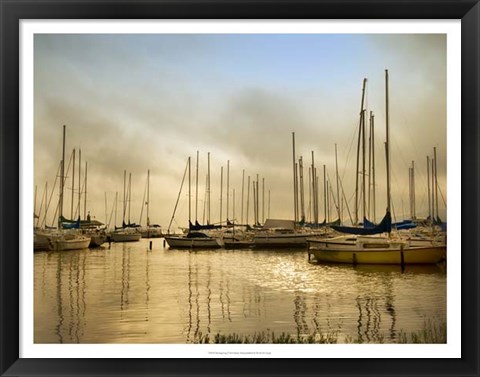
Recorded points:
12,11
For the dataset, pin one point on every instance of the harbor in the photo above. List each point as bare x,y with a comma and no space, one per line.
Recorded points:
242,212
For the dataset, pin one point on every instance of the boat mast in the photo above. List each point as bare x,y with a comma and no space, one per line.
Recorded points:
208,186
79,179
325,204
85,197
294,181
73,186
129,193
148,197
263,200
248,197
228,186
310,193
364,190
243,183
410,188
428,185
233,206
196,191
302,195
433,189
372,119
62,173
124,197
221,193
339,200
436,180
205,204
189,192
316,197
387,143
257,201
314,191
369,194
254,193
358,148
413,191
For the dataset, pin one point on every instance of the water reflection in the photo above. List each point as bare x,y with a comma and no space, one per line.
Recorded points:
58,328
299,315
128,294
70,295
125,277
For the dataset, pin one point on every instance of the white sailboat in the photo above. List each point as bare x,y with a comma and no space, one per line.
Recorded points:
67,240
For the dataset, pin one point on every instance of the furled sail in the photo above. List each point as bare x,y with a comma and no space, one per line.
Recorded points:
384,226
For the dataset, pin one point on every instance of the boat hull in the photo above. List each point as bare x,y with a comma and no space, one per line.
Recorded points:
237,244
151,233
125,237
280,240
414,255
97,240
191,243
40,242
60,244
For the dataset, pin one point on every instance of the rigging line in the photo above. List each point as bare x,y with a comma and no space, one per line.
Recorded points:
44,222
346,202
66,173
179,193
79,204
47,205
111,212
337,205
443,199
353,137
44,199
143,201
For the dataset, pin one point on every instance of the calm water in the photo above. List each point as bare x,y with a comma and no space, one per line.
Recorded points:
128,294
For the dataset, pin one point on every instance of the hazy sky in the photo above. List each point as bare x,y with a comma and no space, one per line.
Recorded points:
148,102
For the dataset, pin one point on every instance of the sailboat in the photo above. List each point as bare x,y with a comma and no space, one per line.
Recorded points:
150,230
192,238
370,245
66,237
127,232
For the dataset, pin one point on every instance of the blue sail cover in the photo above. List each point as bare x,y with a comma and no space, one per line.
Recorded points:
67,224
438,221
368,224
405,224
198,226
384,226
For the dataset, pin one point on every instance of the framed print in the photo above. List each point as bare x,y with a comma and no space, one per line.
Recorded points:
238,188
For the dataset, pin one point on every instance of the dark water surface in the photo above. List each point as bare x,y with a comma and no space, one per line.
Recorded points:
128,294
